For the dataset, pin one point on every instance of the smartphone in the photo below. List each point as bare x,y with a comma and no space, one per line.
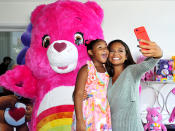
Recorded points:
141,33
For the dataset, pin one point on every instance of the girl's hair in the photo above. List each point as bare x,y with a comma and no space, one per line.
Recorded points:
127,62
91,43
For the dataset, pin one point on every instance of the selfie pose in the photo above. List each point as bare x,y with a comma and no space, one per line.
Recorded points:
123,88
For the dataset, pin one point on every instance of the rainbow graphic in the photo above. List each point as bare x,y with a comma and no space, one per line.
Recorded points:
57,118
163,79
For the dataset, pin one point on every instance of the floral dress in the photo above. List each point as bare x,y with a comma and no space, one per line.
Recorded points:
96,110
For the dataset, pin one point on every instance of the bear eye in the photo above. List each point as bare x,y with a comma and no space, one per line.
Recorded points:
45,41
78,37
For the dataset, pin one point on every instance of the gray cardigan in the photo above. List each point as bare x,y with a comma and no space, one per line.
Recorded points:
123,97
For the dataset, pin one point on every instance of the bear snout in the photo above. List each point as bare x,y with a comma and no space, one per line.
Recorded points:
60,46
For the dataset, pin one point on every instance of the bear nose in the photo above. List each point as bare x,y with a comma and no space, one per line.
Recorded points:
60,46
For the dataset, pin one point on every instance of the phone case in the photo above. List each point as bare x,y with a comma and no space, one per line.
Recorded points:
141,33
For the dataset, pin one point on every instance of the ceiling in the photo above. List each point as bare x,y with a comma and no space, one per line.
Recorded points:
50,1
78,0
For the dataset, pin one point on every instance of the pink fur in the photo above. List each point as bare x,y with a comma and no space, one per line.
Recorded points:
21,80
154,118
60,20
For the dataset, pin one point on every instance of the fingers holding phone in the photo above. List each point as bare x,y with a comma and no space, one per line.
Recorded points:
150,49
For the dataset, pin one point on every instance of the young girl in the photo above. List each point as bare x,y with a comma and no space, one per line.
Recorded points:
93,113
123,88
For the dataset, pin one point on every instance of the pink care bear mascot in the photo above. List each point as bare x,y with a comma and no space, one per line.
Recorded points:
154,119
56,53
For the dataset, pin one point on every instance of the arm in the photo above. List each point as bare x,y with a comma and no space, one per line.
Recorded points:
78,97
153,52
139,69
20,80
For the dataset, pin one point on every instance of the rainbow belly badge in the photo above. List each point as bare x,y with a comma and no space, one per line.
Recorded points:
55,113
154,126
56,119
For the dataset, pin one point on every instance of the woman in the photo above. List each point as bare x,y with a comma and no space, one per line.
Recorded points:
123,88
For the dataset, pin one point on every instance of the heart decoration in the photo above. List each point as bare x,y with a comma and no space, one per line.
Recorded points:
15,116
17,113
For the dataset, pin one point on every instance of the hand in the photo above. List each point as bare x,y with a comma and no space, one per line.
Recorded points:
80,126
151,49
28,113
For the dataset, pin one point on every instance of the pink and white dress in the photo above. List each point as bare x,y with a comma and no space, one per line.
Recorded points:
96,110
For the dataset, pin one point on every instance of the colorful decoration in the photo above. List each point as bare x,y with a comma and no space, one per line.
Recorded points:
154,119
15,116
56,52
173,57
164,70
26,40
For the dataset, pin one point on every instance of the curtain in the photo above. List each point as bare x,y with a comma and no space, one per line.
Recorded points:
4,45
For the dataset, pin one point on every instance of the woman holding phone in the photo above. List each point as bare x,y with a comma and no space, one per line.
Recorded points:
123,88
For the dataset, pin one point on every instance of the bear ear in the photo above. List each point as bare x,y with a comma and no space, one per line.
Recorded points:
97,9
148,109
36,13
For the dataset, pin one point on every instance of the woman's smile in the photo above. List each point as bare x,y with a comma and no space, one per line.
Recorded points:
116,58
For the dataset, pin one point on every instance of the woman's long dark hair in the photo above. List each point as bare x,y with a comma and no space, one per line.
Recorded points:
127,62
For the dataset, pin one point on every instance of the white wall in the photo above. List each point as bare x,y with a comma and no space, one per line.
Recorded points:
121,17
157,16
15,14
